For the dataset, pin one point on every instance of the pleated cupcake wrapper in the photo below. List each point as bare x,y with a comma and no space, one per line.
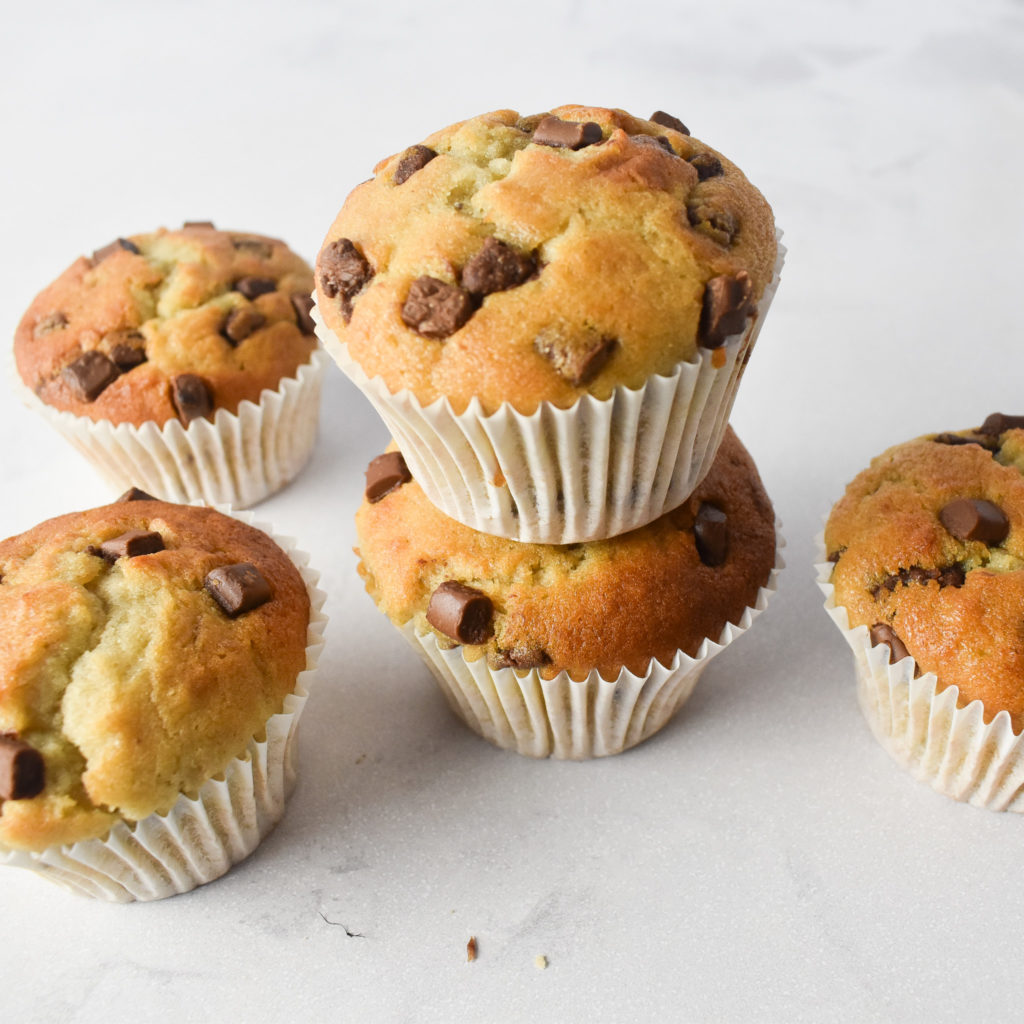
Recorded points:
920,726
237,459
597,469
201,837
574,719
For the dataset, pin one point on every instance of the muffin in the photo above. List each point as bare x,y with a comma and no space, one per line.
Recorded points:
516,291
153,663
925,576
579,650
182,361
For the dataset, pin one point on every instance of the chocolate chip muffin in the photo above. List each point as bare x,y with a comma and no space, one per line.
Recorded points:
146,649
522,265
550,626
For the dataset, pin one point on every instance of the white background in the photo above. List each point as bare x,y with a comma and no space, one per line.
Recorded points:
759,860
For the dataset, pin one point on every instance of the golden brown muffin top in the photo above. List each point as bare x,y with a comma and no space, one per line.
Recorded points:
168,325
121,670
525,260
928,545
601,604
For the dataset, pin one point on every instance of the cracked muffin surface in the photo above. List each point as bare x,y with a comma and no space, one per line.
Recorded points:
138,655
928,546
538,259
168,325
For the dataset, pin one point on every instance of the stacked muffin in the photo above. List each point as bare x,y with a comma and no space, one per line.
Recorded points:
552,314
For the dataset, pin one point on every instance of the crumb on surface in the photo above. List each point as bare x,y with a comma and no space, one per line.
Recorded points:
471,949
540,961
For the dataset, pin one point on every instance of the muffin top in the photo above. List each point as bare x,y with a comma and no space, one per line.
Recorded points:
142,644
928,546
168,325
536,259
601,604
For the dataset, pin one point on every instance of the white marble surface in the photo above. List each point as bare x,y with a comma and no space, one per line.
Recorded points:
761,859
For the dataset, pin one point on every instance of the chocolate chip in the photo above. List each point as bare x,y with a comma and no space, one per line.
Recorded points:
89,374
50,323
959,439
707,166
108,250
998,422
197,224
191,397
344,270
553,131
711,533
668,121
414,159
251,286
238,588
436,309
660,141
462,613
126,348
303,305
719,225
521,656
728,301
836,555
577,359
975,519
135,494
885,634
253,247
495,267
240,323
131,544
385,474
952,576
22,769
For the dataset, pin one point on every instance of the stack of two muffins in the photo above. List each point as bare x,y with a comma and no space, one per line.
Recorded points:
552,315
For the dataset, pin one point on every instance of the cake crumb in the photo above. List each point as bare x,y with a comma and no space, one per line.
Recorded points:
540,961
471,949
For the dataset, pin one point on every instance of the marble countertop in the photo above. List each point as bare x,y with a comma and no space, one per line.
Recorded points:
761,859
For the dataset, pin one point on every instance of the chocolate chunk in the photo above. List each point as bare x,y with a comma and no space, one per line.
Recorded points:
522,656
238,588
135,494
959,439
191,397
240,323
251,286
728,301
127,357
132,543
885,634
108,250
975,519
303,305
414,159
707,165
462,613
668,121
952,576
436,309
711,533
719,225
255,247
385,474
89,374
660,141
836,555
49,323
344,270
22,769
495,267
197,224
553,131
998,422
577,359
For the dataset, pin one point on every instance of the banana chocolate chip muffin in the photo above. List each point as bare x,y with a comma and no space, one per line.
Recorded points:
146,649
620,626
540,266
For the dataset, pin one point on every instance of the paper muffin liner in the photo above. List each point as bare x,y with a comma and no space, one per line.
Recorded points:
559,476
201,836
573,719
920,726
237,459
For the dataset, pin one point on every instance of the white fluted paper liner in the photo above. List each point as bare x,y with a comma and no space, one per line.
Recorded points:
237,459
201,837
922,729
574,719
559,476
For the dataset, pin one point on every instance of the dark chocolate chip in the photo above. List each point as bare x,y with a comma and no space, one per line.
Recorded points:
947,576
303,305
191,397
711,533
127,357
344,270
385,474
553,131
999,422
959,439
135,494
89,374
577,359
952,576
975,519
728,301
436,309
253,247
238,588
719,225
197,224
22,769
881,633
240,323
49,323
131,544
836,555
414,159
660,141
668,121
108,250
251,286
462,613
707,166
522,656
495,267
